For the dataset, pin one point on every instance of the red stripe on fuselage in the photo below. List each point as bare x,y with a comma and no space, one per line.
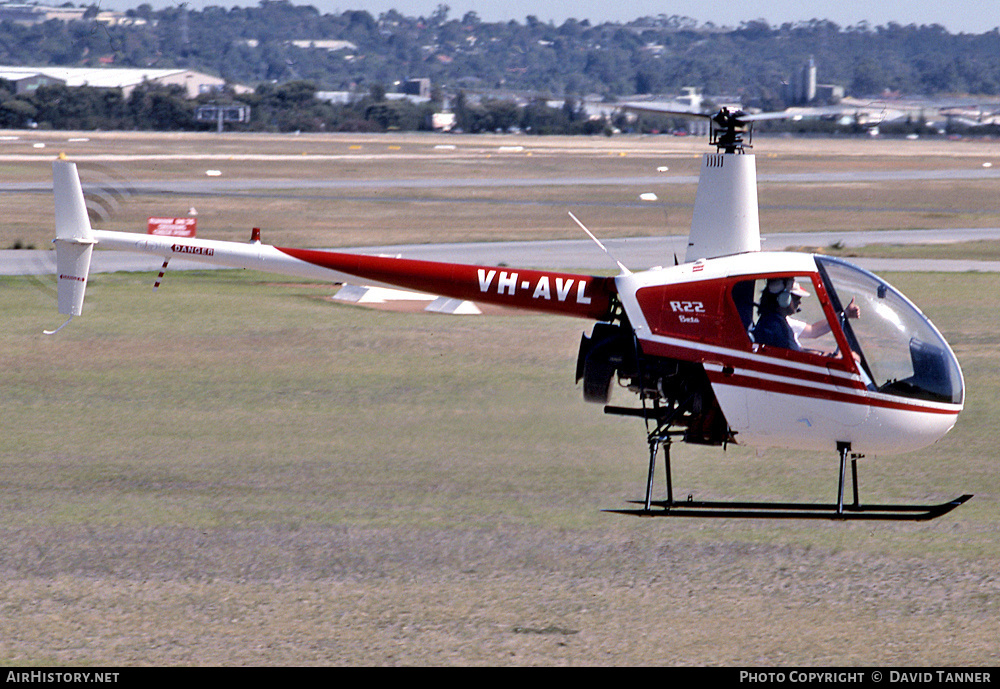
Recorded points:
799,382
821,369
738,380
567,294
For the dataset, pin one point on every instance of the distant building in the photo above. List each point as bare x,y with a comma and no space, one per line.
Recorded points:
421,88
338,97
805,90
690,99
417,91
829,93
194,83
808,91
443,121
28,15
28,81
328,45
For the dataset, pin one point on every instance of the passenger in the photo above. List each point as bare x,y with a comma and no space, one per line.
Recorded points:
775,327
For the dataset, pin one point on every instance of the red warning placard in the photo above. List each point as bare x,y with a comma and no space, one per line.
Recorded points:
173,227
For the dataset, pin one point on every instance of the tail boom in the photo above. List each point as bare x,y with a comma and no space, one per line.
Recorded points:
567,294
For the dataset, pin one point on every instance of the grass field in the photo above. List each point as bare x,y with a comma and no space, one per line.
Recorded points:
236,471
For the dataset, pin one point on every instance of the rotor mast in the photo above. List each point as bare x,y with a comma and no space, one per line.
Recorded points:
726,219
727,130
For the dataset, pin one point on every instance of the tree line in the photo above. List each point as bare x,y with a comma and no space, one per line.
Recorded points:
287,107
254,46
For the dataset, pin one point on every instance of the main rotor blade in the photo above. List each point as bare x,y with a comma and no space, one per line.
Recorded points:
664,110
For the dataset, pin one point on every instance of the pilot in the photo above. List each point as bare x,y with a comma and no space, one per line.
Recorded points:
780,299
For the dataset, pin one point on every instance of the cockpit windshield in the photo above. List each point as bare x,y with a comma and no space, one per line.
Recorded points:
898,348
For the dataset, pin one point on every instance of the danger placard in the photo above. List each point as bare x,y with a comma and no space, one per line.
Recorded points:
173,227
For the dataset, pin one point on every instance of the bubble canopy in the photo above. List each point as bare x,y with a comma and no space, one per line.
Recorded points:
897,347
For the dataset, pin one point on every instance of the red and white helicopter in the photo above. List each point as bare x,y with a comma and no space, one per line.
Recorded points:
709,346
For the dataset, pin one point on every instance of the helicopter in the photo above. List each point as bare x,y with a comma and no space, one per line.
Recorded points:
694,342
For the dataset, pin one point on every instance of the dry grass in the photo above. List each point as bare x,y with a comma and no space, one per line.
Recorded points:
235,471
241,473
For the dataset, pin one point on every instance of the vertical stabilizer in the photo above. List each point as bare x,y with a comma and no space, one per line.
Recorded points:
74,239
725,208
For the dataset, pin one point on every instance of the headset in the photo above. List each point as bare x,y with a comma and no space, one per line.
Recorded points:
782,289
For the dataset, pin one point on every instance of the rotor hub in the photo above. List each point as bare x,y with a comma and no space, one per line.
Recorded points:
727,131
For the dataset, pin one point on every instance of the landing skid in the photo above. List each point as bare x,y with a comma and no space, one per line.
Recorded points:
794,510
779,510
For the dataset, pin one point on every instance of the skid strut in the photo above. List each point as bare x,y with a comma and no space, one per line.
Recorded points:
655,441
844,449
779,510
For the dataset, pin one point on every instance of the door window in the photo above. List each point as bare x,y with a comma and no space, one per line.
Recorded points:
785,315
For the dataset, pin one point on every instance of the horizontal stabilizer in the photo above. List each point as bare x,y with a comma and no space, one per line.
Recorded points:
455,307
366,294
351,293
